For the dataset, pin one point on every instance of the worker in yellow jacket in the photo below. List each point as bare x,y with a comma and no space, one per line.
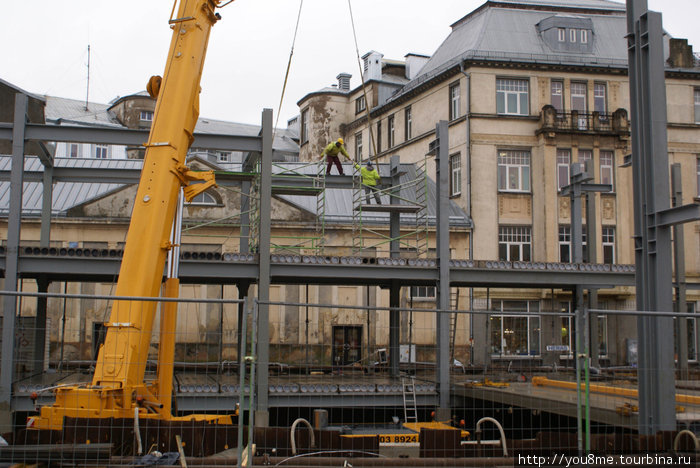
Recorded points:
370,180
331,154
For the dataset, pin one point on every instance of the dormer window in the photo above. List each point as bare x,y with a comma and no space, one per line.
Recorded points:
567,34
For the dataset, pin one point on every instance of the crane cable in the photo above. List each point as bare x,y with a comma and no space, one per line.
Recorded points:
286,75
364,88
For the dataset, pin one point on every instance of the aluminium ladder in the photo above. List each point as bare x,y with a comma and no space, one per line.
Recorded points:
410,411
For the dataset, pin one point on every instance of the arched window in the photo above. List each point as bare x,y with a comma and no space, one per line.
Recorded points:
204,198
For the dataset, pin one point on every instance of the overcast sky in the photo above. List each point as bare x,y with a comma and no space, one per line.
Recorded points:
45,46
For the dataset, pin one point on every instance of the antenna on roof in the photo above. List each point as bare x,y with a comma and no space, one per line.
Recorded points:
87,91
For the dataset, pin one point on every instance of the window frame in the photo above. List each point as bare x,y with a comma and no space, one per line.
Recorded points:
455,175
696,101
146,116
223,156
391,131
203,202
552,95
533,321
358,145
408,123
304,126
360,104
697,170
597,99
565,237
561,34
101,152
423,293
607,234
583,97
504,96
510,237
507,162
607,167
572,35
379,136
71,153
563,166
584,36
454,94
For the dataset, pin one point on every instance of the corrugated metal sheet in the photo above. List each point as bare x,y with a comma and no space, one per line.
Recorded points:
65,194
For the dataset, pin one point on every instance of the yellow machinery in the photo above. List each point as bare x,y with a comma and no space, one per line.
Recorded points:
118,389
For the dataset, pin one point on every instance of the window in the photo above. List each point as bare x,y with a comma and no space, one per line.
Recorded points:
563,165
572,35
512,97
515,335
358,145
379,136
455,175
454,101
557,90
584,155
360,104
566,254
203,198
514,243
608,244
304,126
599,98
584,36
146,116
578,97
697,105
561,34
224,156
390,131
408,124
101,151
73,150
607,162
514,171
423,292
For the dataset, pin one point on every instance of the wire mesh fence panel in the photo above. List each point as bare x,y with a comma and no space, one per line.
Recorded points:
352,376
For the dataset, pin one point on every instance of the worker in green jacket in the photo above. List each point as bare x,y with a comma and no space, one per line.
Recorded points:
370,180
331,154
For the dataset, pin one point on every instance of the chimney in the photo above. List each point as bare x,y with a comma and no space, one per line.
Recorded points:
680,54
344,81
414,64
372,65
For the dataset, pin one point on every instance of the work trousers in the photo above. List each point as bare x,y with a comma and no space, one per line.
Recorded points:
334,160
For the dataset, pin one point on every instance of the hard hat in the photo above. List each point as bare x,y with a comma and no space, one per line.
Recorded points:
369,163
340,140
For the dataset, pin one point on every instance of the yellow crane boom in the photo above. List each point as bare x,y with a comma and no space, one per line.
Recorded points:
118,389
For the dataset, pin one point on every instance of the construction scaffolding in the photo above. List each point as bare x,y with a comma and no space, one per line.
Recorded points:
406,211
306,179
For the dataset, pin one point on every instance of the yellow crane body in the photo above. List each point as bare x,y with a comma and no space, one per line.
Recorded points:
118,389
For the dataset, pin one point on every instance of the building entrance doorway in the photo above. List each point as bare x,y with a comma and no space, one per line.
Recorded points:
347,344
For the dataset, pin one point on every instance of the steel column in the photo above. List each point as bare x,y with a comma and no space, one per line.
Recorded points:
263,335
679,260
651,195
442,224
12,263
395,288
